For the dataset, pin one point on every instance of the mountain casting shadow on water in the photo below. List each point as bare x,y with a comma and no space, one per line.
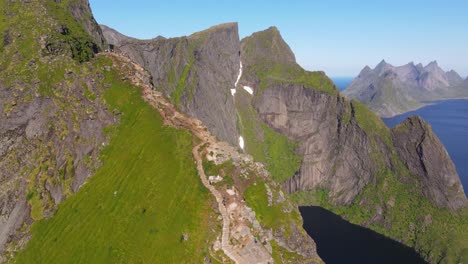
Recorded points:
339,241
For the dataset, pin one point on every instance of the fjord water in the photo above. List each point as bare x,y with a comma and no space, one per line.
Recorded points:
339,241
449,120
342,82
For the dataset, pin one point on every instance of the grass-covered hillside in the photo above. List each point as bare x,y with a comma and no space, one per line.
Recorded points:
139,204
52,113
269,61
96,174
74,118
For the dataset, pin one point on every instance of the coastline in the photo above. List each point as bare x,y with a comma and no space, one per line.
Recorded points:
423,104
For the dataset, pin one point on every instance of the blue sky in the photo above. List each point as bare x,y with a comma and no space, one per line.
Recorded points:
338,37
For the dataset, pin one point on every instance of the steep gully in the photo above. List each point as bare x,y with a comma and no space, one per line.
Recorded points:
233,92
256,253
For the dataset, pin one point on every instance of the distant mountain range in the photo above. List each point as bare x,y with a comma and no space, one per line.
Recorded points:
389,90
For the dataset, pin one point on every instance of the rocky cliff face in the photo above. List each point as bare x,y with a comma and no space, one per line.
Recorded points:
52,123
81,11
335,151
390,90
113,37
196,72
343,145
56,118
352,163
425,156
311,113
339,155
51,114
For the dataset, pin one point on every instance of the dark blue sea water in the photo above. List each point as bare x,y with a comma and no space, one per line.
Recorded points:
342,82
339,241
449,120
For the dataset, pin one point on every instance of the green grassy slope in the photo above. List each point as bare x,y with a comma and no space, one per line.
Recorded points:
264,144
269,61
139,203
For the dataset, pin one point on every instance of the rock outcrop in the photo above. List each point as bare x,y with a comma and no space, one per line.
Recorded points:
335,151
351,162
390,90
241,233
426,157
196,72
113,37
327,143
81,11
51,118
343,145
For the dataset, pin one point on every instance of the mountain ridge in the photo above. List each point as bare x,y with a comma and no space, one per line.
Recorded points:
277,116
141,174
182,68
87,161
390,90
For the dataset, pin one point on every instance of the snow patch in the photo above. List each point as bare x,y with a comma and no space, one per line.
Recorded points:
233,91
248,89
241,142
239,76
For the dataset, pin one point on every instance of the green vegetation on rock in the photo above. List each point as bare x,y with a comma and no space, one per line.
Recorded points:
292,74
392,206
268,59
392,201
139,203
73,35
275,150
181,86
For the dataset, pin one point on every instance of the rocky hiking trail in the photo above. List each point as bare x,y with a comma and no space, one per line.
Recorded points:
238,221
222,209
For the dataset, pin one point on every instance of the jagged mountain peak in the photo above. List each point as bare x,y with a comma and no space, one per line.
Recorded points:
382,67
433,63
454,78
268,45
438,175
419,66
112,36
415,122
410,65
364,71
381,64
433,67
226,27
391,90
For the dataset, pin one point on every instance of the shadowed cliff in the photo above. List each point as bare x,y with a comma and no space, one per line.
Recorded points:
196,72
